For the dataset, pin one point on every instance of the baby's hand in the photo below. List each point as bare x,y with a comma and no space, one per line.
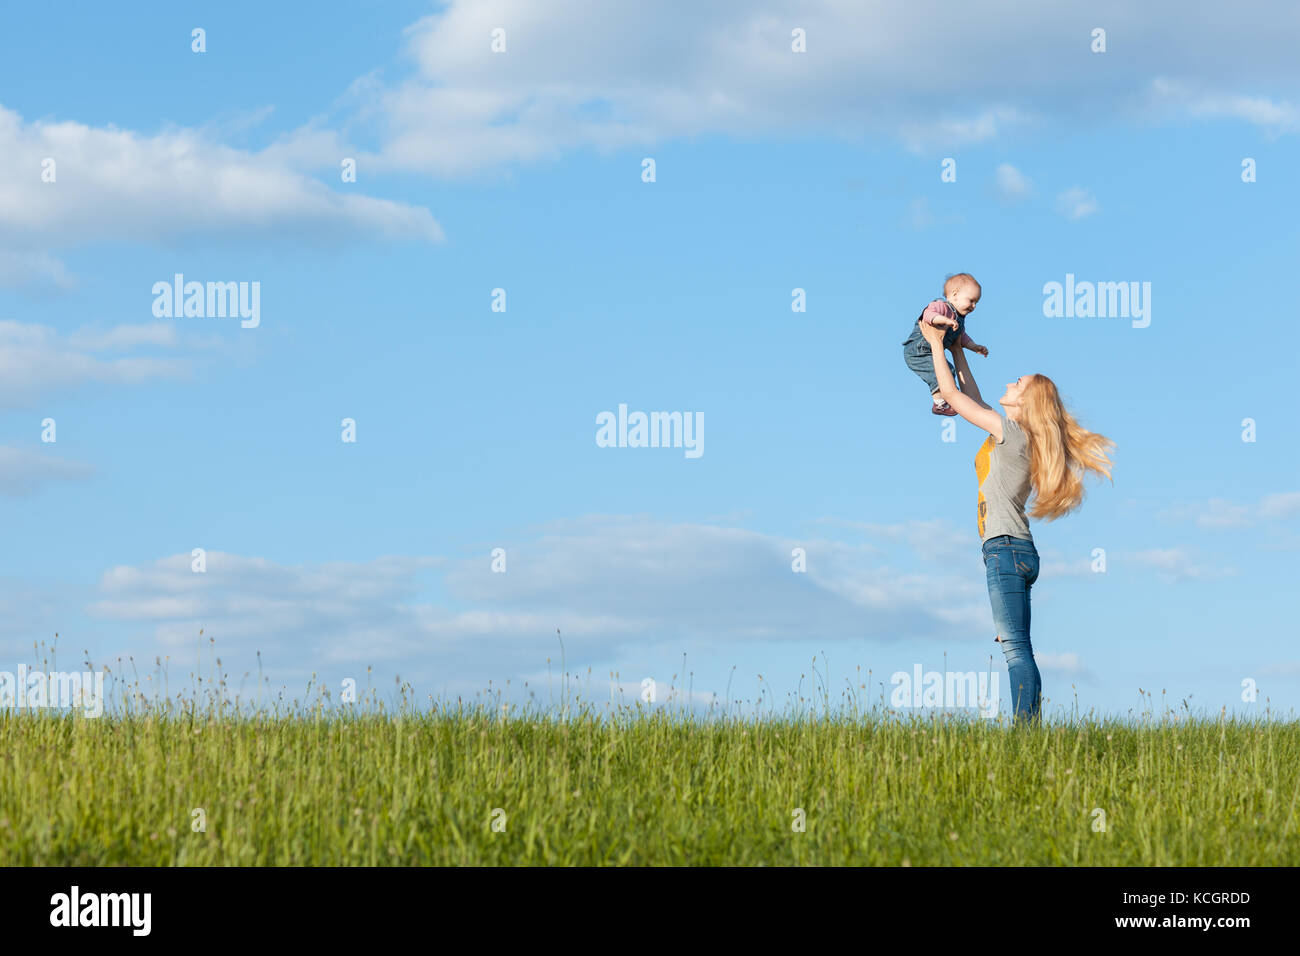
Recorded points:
939,315
973,347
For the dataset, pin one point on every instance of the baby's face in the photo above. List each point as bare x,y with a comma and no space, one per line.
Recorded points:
964,299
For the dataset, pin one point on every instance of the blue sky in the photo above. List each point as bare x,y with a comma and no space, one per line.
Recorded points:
476,428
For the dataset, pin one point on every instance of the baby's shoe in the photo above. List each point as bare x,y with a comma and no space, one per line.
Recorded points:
943,408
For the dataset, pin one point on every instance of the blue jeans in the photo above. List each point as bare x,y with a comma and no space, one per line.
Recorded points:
1012,567
917,355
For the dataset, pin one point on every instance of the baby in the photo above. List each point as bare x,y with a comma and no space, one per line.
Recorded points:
960,293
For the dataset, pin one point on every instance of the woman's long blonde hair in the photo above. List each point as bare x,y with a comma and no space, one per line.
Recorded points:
1060,450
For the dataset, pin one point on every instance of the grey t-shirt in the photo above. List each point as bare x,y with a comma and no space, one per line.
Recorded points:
1003,472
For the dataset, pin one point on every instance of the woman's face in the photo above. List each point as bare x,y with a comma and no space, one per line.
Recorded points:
1011,398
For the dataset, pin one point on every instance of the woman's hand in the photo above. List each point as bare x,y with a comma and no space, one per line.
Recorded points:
932,334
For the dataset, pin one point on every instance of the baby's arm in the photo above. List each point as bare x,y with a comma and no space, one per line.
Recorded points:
939,315
969,343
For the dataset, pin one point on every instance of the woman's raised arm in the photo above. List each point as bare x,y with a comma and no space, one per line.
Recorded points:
977,413
965,379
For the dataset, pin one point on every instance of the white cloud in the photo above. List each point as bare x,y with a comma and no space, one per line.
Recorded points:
35,360
22,472
941,135
1192,99
1178,565
611,585
124,336
926,74
930,75
1223,514
1282,505
933,540
36,271
1076,203
1068,665
1012,184
118,184
1219,513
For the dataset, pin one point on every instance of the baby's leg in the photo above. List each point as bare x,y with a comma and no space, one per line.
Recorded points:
923,366
918,358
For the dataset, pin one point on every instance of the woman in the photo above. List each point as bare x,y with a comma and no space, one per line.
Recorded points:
1036,446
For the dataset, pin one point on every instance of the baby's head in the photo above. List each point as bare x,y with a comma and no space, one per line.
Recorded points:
962,291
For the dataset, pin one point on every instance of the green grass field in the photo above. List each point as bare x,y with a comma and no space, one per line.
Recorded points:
473,785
